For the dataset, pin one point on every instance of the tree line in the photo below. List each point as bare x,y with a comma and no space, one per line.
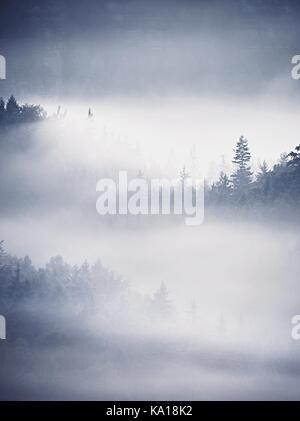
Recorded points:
62,290
268,186
12,113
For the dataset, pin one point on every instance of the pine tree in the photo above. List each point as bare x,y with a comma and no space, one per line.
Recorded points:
294,157
242,177
263,172
263,180
2,110
12,110
223,187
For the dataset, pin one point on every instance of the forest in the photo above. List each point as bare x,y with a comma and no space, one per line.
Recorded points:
81,320
143,306
90,289
69,291
11,113
278,184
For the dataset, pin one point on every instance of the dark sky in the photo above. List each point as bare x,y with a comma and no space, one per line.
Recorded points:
95,48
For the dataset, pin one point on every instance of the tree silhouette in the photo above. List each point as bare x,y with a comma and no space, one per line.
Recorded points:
12,109
263,182
222,188
2,110
242,177
12,113
294,157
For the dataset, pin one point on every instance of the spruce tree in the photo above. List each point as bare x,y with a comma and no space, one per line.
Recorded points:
12,110
223,187
242,177
2,110
263,182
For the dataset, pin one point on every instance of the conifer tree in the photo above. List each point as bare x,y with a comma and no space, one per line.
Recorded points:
242,177
294,157
12,108
2,110
223,187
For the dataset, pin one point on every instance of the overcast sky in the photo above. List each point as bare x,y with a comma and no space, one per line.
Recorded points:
165,75
102,48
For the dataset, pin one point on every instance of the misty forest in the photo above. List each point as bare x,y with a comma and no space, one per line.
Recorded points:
97,322
144,307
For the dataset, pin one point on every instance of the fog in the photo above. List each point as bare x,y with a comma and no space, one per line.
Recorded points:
171,312
241,275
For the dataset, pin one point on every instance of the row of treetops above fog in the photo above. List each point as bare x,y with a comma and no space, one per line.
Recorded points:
284,175
12,113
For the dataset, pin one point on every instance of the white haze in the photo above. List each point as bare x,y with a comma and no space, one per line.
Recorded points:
166,130
243,276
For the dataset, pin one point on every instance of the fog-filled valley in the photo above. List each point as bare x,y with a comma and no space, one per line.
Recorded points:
107,293
169,311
